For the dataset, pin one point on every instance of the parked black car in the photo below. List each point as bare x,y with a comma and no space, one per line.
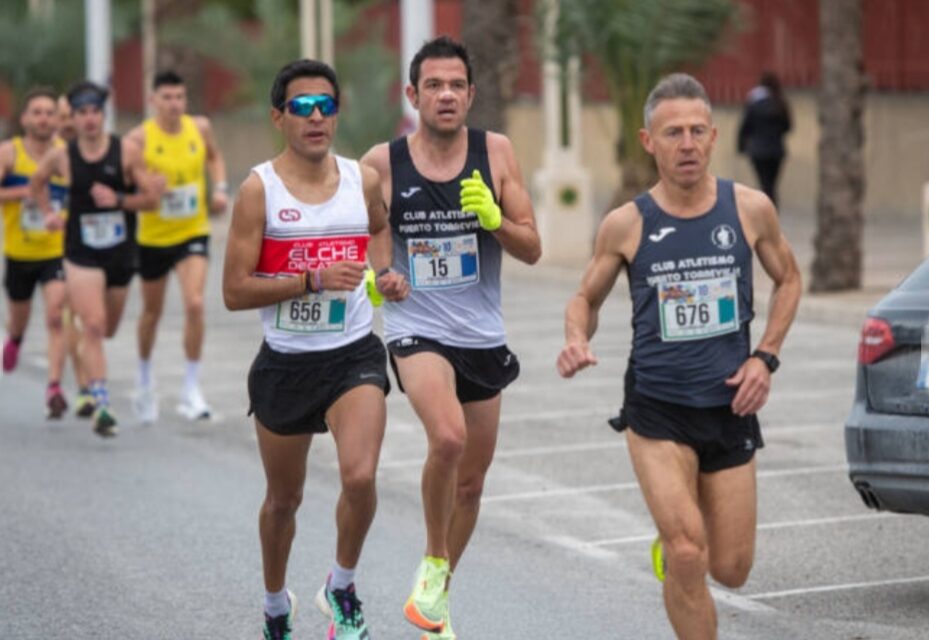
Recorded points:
887,433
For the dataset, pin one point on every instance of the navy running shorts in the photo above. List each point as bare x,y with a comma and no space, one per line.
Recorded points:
480,374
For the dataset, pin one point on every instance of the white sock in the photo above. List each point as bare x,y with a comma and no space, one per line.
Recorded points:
340,577
191,375
145,374
277,604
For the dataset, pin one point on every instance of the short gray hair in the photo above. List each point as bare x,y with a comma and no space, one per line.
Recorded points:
676,85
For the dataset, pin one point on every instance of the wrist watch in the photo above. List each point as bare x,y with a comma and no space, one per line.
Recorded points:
770,360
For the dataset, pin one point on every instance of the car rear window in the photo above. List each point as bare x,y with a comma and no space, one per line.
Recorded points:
918,280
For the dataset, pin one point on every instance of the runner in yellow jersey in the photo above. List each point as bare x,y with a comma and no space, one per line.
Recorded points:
176,236
33,251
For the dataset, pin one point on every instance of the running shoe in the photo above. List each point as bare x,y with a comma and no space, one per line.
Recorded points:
10,355
446,633
658,565
145,405
55,402
343,608
85,405
105,423
426,607
193,406
280,627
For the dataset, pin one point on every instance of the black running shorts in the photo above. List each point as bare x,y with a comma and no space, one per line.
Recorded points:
119,264
156,262
290,393
21,276
480,374
720,438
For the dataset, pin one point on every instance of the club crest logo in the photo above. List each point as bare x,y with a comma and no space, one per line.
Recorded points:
724,237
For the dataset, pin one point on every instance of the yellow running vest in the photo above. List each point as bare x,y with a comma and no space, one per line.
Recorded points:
24,233
181,159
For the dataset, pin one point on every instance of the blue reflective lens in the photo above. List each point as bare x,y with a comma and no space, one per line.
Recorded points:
303,105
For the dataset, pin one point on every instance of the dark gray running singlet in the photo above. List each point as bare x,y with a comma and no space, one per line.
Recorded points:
452,264
691,287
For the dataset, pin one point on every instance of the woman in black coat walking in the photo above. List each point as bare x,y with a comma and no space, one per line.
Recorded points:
761,135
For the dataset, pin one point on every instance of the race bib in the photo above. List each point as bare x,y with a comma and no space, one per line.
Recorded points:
440,263
698,309
312,313
181,202
103,230
32,218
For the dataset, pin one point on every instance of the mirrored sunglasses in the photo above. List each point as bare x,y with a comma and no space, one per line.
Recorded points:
303,105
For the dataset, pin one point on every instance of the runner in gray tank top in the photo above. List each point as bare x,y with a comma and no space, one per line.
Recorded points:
693,385
457,201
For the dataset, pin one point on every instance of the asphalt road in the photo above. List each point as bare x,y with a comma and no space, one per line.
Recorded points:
154,534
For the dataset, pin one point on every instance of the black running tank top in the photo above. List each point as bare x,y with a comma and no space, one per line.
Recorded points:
691,288
90,227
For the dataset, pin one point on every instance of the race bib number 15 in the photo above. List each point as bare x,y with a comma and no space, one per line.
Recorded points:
439,263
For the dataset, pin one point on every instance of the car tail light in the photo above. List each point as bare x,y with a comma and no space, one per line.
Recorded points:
876,340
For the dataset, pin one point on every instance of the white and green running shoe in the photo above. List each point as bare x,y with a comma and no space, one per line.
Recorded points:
343,608
280,627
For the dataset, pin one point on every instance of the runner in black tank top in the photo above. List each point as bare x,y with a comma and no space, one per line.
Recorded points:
99,234
457,202
693,385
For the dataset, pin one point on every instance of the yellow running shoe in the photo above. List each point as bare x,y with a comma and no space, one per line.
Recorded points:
426,607
658,559
446,633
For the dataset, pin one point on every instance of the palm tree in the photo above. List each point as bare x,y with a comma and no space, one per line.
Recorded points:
837,256
489,31
636,42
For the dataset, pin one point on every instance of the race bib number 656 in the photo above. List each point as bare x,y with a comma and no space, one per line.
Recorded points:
312,313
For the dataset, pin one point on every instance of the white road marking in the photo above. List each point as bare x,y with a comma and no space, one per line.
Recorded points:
786,593
625,486
505,454
813,522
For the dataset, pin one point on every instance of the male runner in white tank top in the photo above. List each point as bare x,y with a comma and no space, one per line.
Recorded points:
457,201
302,227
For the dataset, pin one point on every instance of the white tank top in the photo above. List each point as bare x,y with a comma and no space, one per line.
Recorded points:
300,236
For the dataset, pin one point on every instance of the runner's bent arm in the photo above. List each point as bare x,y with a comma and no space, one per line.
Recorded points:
54,163
581,314
215,166
380,251
241,288
517,233
7,159
148,186
759,217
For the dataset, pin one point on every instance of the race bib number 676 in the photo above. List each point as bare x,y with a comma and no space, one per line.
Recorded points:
698,309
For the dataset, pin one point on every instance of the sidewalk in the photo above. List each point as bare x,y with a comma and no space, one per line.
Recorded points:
892,248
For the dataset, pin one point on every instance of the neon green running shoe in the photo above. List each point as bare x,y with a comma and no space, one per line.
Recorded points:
426,607
658,565
446,633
